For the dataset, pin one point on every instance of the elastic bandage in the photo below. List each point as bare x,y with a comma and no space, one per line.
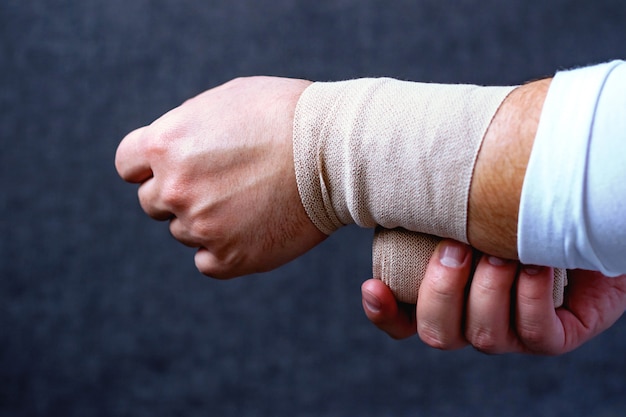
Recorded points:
390,153
393,154
400,259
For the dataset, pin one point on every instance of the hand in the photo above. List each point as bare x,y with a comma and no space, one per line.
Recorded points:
508,307
220,169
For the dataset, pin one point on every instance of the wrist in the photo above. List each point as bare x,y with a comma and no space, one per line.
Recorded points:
500,169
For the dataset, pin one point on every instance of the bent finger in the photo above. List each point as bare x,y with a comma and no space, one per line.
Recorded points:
149,194
214,265
488,326
382,309
181,233
537,324
131,161
441,298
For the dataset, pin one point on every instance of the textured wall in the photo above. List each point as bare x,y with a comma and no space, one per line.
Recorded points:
103,314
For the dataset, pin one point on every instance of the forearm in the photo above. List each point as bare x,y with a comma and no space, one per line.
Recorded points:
496,188
561,205
572,203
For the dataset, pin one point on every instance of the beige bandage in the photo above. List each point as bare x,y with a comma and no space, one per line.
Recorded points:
400,259
390,153
394,154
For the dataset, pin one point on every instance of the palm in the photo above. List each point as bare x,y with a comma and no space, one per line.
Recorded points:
593,304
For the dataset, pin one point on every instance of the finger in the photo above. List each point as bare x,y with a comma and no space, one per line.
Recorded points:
183,234
488,314
131,161
383,311
211,265
151,202
441,298
537,324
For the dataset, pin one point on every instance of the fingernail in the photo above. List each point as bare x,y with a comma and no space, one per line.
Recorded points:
452,255
532,269
495,261
372,302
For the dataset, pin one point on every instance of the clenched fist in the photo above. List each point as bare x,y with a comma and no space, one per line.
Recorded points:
220,169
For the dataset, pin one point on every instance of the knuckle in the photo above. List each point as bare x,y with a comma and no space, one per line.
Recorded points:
146,205
433,337
172,194
443,288
215,269
483,341
158,136
536,340
206,231
219,264
532,337
151,209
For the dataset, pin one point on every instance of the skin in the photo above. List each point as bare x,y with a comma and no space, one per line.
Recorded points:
508,307
223,160
224,178
499,171
220,169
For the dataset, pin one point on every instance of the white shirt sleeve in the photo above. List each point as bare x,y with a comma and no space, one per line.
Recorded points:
573,204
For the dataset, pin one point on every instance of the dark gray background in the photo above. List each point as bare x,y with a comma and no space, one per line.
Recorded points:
103,314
